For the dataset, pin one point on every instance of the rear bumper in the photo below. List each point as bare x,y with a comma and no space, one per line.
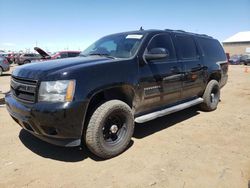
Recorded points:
59,123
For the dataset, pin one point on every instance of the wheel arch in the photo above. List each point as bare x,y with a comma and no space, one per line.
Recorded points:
123,92
215,76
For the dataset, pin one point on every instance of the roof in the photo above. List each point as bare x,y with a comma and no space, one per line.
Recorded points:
142,32
239,37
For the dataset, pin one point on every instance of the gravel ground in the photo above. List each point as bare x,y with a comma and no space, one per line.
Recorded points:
186,149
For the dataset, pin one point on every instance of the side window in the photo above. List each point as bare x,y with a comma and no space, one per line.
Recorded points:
186,47
63,55
163,41
73,54
212,49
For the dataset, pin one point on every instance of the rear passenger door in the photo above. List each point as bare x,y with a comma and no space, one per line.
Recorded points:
193,68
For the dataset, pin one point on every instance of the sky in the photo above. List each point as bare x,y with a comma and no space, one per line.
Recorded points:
75,24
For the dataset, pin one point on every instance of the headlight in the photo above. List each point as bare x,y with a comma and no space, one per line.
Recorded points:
57,91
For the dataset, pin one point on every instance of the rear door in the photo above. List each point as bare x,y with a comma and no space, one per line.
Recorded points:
160,79
193,68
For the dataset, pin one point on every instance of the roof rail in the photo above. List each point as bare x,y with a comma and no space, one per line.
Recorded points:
168,30
182,31
178,30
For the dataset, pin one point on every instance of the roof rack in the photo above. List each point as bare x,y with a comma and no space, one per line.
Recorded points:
182,31
178,30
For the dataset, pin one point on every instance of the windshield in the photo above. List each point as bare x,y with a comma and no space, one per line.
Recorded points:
117,46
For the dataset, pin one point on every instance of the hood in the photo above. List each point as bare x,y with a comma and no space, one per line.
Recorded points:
42,70
42,52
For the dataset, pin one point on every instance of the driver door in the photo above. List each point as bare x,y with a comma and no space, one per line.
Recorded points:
160,79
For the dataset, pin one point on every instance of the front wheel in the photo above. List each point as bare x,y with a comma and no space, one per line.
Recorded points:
110,129
211,96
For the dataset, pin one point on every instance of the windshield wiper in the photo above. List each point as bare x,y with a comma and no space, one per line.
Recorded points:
100,54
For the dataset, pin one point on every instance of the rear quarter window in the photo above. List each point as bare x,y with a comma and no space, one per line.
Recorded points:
212,49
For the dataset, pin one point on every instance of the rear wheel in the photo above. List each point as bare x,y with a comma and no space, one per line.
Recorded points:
110,129
211,96
26,61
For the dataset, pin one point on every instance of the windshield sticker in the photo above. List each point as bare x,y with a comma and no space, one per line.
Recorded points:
134,36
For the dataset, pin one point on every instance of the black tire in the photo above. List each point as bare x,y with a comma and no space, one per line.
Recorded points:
26,61
110,129
211,96
1,71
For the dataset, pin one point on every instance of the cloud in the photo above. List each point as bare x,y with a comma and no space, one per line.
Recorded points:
8,44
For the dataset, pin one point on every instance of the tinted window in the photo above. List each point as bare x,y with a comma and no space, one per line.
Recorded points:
73,54
63,55
212,49
28,55
163,41
186,47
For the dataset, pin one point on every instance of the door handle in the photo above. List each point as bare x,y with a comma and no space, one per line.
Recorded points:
174,69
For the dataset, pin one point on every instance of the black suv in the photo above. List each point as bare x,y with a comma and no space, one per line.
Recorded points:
121,79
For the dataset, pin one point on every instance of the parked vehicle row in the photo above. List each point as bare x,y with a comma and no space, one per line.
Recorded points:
240,59
57,55
43,56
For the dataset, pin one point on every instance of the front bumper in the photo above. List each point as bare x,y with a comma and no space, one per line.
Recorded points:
57,123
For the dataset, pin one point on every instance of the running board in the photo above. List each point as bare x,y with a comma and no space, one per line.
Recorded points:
170,110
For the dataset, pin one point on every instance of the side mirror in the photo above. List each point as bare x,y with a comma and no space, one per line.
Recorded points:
156,53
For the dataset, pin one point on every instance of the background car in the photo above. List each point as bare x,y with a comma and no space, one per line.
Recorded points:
235,60
4,65
57,55
245,59
27,58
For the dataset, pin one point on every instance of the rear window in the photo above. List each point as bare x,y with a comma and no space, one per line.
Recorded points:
212,49
186,47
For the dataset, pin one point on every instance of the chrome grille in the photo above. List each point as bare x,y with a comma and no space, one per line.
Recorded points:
24,89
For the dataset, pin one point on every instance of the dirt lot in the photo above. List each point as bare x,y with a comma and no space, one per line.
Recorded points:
186,149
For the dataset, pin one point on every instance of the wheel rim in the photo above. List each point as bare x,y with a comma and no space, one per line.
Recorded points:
214,96
114,128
